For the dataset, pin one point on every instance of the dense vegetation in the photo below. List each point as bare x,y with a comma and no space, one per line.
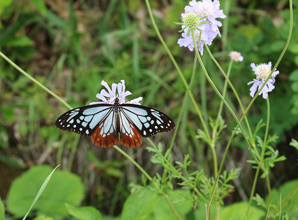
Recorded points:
71,46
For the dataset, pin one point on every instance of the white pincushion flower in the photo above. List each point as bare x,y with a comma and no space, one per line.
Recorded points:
262,72
236,56
111,94
201,17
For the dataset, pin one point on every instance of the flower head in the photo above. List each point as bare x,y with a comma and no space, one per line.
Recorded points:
236,56
111,94
262,72
201,17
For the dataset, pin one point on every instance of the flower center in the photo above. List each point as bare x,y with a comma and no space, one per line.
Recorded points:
206,9
191,20
263,71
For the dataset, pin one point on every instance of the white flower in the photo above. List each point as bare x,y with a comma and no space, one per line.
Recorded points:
111,94
236,56
262,72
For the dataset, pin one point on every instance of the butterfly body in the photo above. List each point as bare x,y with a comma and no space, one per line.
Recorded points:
107,123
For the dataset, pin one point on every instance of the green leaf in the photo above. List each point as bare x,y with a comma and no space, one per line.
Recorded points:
22,41
294,75
15,27
40,6
294,143
84,213
237,211
286,190
64,187
2,211
139,204
4,4
182,202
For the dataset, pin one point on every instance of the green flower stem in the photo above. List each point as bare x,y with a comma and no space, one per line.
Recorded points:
262,160
216,90
234,91
265,146
180,116
148,177
183,104
223,160
177,68
34,80
253,190
177,172
221,105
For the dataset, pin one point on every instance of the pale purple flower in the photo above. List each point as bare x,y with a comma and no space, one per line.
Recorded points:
262,72
236,56
111,94
207,25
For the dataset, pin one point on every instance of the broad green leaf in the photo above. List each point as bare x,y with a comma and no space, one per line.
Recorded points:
64,187
283,191
182,202
237,211
2,211
84,213
139,204
4,4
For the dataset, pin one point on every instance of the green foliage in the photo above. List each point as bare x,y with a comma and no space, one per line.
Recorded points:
238,210
282,203
2,210
139,205
72,47
83,213
64,187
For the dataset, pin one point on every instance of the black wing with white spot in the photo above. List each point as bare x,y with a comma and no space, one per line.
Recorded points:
84,120
147,121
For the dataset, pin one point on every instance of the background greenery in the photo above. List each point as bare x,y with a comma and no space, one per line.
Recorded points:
71,46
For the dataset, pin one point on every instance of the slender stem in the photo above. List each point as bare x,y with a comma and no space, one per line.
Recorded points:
148,177
265,146
177,68
262,160
34,80
183,104
232,87
177,172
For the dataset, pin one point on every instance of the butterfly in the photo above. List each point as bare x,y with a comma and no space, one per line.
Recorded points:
106,123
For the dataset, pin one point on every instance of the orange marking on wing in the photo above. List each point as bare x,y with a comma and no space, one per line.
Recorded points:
107,141
132,142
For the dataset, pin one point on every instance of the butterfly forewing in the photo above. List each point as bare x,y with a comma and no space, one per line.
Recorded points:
147,121
84,120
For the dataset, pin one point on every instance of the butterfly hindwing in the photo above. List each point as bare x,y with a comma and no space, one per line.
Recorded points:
147,121
106,134
84,120
129,135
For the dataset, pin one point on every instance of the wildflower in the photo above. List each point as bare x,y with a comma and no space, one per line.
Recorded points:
205,26
262,72
236,56
111,94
